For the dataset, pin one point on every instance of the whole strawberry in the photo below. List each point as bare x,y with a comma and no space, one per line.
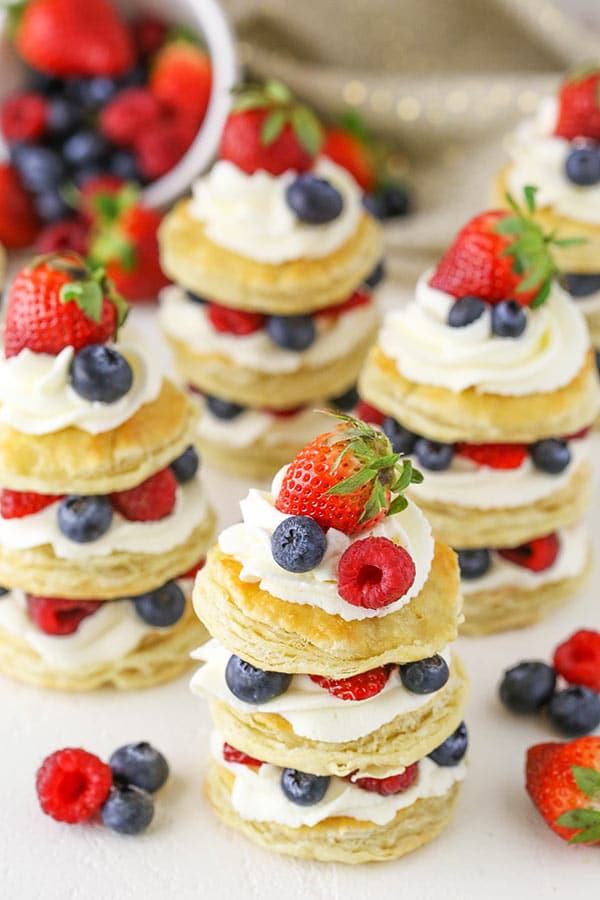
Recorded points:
19,222
58,301
579,106
181,80
346,148
268,129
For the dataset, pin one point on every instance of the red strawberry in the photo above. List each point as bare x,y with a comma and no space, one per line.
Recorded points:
72,785
563,780
283,413
181,80
360,297
58,301
536,555
230,754
69,38
347,150
578,435
129,114
345,479
54,615
496,456
150,501
357,687
19,222
67,234
96,193
149,33
579,106
578,659
369,413
16,504
161,148
374,572
24,117
267,129
393,784
233,321
191,573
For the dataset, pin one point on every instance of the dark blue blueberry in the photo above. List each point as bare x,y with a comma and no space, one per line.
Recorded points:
141,765
298,544
528,686
84,148
375,204
84,519
582,165
401,439
509,319
185,466
64,117
4,591
425,675
464,311
346,401
123,164
195,298
473,563
42,83
453,749
376,276
51,205
40,168
581,285
302,788
396,199
86,173
252,685
96,92
100,374
292,332
575,711
550,455
433,455
127,809
223,409
314,200
162,607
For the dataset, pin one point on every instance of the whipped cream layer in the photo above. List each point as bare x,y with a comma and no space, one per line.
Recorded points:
466,484
36,396
570,562
41,529
249,214
336,336
249,543
311,710
538,157
426,350
254,425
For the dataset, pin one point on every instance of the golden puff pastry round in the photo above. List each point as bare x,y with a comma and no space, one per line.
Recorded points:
289,288
72,461
444,415
277,635
339,839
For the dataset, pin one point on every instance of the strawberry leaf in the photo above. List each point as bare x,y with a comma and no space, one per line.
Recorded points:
405,478
277,92
530,191
587,836
352,122
273,126
510,225
352,483
587,780
398,504
307,128
542,295
579,818
86,294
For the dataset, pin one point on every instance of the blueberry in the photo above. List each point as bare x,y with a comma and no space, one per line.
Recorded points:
346,401
298,544
4,591
314,200
376,276
581,285
401,439
509,319
252,685
40,167
453,749
64,117
426,675
575,711
465,310
94,93
195,298
292,332
51,205
100,374
397,201
473,563
84,148
84,519
550,455
141,765
302,788
433,454
127,809
528,686
44,84
375,204
223,409
582,165
162,607
123,164
185,466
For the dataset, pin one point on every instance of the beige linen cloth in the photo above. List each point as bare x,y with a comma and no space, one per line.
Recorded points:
446,79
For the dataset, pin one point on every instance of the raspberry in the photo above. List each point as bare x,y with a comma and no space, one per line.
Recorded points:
230,754
72,785
369,413
128,115
16,504
54,615
23,117
161,148
68,234
234,321
395,784
578,659
374,572
357,687
536,555
358,298
191,573
496,456
150,501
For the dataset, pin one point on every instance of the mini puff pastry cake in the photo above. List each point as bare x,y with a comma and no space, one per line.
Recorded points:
274,260
103,518
487,380
336,696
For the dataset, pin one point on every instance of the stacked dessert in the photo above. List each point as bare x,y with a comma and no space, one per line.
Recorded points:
336,698
275,259
487,378
557,150
103,519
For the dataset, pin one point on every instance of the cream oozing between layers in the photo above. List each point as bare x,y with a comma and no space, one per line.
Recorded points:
255,425
426,350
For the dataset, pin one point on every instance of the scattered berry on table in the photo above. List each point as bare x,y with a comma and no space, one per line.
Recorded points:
550,455
575,710
315,201
393,784
453,749
298,544
356,687
72,785
100,374
84,519
474,563
578,658
140,765
252,685
302,788
127,809
374,572
162,607
149,501
528,686
185,466
425,676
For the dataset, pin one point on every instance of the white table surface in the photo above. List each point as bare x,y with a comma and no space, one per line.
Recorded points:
497,845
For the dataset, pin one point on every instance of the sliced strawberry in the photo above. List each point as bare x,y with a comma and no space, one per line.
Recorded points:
537,555
191,573
393,784
17,504
150,501
369,413
357,687
233,321
578,659
496,456
360,297
57,616
283,413
230,754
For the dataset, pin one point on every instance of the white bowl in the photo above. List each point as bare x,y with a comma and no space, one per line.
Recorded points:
207,19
